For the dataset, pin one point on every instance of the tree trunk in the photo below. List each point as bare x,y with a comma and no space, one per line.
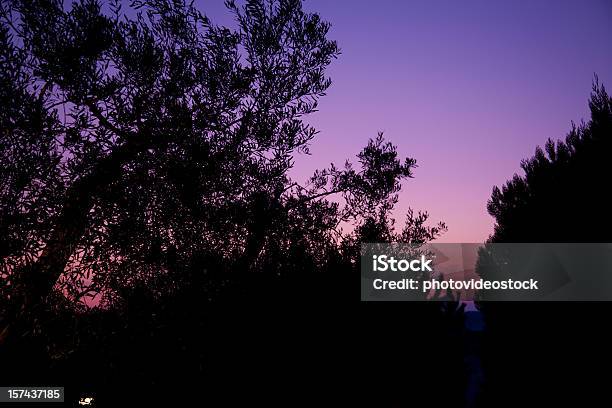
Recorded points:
36,281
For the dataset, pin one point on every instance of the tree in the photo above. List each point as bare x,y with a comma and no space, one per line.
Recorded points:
560,198
160,119
145,162
153,145
561,191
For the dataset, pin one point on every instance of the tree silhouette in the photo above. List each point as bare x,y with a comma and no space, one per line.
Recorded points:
545,347
162,122
145,157
561,189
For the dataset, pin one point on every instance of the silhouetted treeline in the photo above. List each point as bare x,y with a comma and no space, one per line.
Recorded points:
144,167
554,353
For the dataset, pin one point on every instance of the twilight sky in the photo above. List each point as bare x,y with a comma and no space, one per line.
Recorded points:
467,88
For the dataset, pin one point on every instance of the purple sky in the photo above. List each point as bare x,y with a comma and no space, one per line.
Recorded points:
467,88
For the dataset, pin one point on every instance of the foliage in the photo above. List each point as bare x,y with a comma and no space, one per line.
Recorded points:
561,190
149,147
540,346
145,155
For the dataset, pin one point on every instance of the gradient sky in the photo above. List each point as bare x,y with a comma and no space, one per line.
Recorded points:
467,88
